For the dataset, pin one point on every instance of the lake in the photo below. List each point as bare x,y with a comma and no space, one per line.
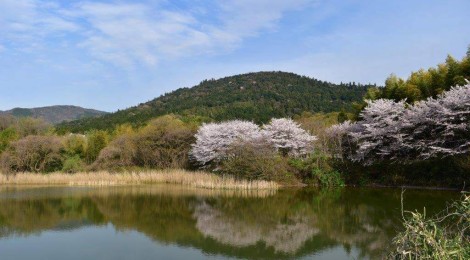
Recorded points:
173,222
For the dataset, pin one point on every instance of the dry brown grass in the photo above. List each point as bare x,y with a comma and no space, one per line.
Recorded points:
163,189
102,178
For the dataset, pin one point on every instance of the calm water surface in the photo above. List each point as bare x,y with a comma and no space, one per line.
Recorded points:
171,222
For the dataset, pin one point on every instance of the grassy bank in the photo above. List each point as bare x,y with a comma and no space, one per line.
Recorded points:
186,178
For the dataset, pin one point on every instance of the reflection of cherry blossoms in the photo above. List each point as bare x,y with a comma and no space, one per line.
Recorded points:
283,237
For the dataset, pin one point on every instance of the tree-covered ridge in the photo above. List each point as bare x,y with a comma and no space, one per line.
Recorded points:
54,114
254,96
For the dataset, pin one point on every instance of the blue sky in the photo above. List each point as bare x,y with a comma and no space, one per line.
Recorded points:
110,55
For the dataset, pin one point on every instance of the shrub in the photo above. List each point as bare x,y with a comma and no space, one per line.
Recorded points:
317,169
73,164
75,144
7,121
120,153
164,143
330,178
32,126
34,154
6,137
252,162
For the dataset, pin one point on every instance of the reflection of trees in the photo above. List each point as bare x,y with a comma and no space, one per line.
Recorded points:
288,223
283,237
23,217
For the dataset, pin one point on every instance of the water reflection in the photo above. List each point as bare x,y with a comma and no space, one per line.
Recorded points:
256,224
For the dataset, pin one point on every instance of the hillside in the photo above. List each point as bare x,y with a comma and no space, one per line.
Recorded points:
253,96
55,114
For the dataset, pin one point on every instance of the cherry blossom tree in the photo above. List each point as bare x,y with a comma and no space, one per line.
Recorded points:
339,141
439,127
379,135
436,127
288,138
214,140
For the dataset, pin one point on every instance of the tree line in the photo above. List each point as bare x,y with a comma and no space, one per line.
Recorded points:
431,135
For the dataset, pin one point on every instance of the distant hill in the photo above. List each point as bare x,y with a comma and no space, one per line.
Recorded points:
55,114
254,96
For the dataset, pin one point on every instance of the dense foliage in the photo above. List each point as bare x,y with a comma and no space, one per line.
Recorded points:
163,143
255,97
423,84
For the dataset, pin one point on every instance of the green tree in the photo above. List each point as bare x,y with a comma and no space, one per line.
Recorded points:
96,141
425,83
6,137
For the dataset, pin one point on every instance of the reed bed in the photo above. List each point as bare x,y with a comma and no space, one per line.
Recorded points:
172,190
102,178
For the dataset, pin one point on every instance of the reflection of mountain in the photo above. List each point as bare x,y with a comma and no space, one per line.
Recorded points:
282,225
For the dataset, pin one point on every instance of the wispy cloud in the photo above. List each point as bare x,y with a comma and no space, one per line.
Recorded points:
129,34
26,23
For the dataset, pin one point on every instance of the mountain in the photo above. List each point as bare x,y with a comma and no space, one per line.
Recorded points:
55,114
254,96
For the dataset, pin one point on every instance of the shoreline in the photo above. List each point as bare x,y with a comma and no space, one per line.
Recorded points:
412,187
194,179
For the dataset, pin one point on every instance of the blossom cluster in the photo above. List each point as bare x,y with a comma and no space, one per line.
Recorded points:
388,130
214,140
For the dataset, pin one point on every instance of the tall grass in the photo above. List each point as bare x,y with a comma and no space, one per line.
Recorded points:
168,190
102,178
446,236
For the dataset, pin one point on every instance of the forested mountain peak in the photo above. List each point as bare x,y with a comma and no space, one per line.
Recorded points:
257,96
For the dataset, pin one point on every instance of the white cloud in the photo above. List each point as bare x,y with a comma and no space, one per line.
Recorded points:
27,23
244,18
129,34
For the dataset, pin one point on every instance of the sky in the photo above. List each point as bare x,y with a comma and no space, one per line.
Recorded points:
110,55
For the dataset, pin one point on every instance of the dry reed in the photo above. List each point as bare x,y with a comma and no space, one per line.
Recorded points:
172,176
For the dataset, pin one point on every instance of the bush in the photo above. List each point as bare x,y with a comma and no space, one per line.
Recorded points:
328,178
34,154
317,170
6,137
164,143
255,162
7,121
75,144
73,164
120,153
32,126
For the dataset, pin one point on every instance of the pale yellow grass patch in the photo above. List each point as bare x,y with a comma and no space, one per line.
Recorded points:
174,176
